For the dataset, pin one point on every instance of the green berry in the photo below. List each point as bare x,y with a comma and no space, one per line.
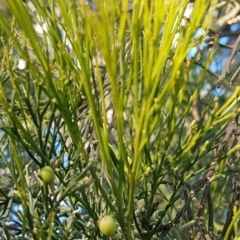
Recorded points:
47,174
107,226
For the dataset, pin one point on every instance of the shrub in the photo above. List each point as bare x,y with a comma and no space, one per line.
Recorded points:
107,98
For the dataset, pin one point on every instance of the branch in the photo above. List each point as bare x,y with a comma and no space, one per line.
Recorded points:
228,65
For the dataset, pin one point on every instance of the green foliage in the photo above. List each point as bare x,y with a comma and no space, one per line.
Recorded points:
124,61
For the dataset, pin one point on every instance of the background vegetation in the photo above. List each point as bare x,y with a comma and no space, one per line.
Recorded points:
124,100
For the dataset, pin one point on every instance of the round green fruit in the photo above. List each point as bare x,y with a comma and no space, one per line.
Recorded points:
47,174
107,226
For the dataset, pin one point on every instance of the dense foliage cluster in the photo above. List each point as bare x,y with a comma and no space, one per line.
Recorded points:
117,119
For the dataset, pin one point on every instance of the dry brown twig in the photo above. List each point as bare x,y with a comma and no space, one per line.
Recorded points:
229,62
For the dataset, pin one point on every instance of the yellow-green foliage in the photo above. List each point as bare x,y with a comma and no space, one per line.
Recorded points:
127,56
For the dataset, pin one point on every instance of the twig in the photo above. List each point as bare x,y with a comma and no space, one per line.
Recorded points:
210,215
200,214
224,82
229,34
235,75
228,65
231,127
189,215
